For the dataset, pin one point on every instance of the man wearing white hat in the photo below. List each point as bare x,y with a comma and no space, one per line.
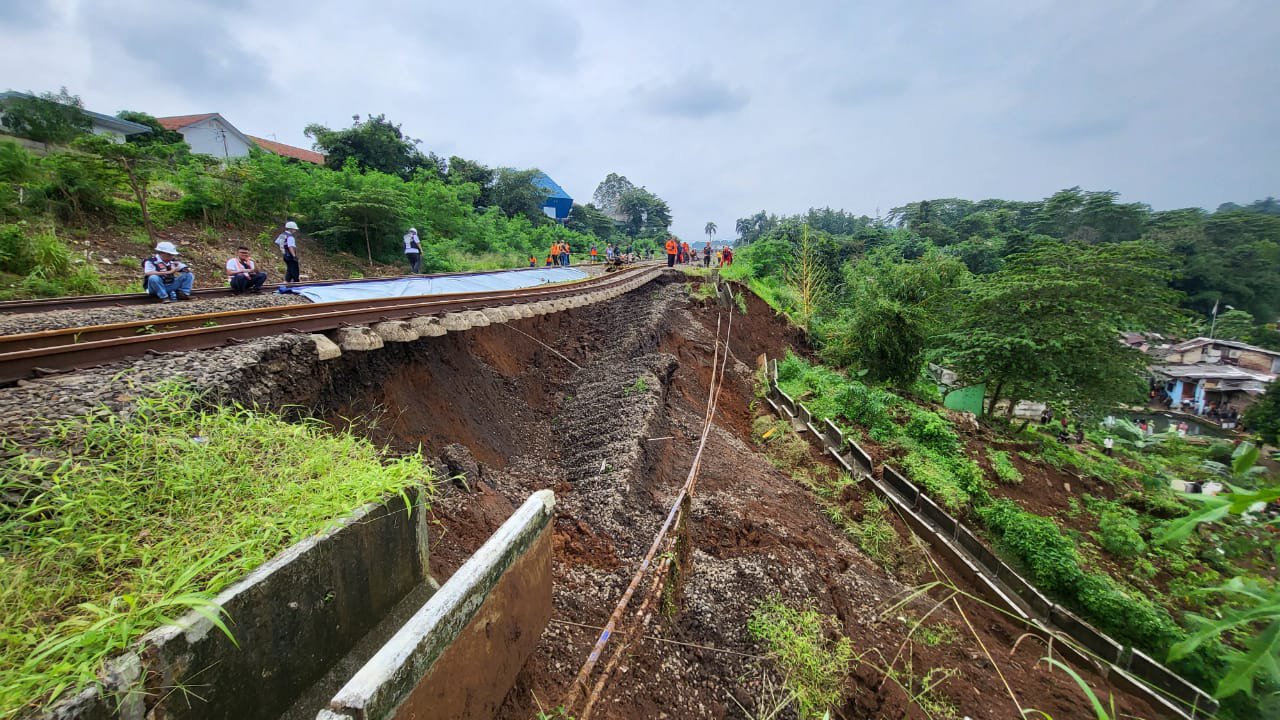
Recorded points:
288,244
413,250
165,276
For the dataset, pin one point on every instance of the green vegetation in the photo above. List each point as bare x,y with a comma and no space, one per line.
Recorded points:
115,526
1116,591
814,668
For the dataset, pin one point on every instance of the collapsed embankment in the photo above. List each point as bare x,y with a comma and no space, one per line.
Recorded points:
604,404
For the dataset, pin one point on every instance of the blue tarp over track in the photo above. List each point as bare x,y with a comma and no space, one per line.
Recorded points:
411,286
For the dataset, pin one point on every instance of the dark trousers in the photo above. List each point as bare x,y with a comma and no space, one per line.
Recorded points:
291,273
251,282
706,261
415,262
671,259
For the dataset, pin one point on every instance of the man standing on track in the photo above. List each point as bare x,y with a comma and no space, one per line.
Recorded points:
413,251
672,248
243,274
685,255
165,276
594,255
564,254
288,244
706,255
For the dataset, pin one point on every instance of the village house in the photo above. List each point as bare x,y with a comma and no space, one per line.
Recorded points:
105,125
212,134
1204,372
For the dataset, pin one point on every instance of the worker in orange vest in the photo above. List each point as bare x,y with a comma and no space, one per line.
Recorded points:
672,248
593,254
685,252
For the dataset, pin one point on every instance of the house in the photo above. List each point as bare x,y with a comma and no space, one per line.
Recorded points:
288,151
1204,371
1227,352
99,124
557,203
211,134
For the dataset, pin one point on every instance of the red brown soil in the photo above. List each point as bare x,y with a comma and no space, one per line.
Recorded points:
755,532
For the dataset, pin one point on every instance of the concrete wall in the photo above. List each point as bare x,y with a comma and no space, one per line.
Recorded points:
1004,586
459,655
292,618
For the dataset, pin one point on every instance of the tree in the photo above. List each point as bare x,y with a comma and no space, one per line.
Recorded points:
710,230
1233,325
367,212
137,163
515,192
158,135
589,219
1263,417
890,309
750,229
375,143
609,192
645,214
462,171
809,277
50,118
1044,326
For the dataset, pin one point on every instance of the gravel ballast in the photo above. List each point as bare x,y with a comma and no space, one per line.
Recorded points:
15,324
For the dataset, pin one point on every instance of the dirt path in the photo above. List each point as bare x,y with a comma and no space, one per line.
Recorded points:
523,419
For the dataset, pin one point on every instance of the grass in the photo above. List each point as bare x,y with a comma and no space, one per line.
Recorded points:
1004,468
116,526
815,668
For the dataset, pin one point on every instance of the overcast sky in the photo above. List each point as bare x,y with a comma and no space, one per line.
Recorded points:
721,108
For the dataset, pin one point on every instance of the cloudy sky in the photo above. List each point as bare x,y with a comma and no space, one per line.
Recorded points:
721,108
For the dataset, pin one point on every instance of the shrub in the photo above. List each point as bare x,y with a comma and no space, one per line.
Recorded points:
815,669
1003,466
1118,533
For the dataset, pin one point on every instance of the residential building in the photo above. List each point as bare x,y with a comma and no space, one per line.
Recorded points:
1204,371
105,125
289,151
209,134
558,203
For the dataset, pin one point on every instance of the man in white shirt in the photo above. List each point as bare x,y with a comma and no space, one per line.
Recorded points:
413,250
243,274
288,244
165,276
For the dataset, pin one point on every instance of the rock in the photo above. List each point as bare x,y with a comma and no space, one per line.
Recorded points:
459,462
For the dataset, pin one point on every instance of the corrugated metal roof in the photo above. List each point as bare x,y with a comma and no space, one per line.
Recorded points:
126,127
1200,342
553,189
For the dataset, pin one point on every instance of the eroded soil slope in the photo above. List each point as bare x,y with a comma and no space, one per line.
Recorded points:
613,431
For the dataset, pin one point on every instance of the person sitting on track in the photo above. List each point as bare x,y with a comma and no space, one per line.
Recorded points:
243,274
165,276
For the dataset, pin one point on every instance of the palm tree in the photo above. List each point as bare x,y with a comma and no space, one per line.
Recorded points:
710,230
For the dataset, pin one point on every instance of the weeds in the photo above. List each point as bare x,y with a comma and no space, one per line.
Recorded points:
636,388
116,526
815,668
1003,466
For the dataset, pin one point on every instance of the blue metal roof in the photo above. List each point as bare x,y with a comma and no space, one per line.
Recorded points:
553,189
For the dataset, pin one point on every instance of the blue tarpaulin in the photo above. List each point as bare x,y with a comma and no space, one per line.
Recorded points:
411,286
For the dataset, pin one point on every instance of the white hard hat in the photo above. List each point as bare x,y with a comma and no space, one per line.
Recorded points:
291,225
413,230
167,247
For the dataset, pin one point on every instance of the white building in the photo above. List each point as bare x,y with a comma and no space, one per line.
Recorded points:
106,125
209,134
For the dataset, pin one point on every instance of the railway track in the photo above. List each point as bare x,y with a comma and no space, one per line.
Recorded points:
81,302
32,354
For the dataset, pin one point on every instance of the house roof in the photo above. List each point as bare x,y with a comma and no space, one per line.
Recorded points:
1200,342
125,127
177,122
288,151
553,189
1212,372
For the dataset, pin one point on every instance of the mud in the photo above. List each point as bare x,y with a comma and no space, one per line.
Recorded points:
615,437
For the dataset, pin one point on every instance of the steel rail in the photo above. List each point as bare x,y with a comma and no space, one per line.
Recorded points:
84,302
28,355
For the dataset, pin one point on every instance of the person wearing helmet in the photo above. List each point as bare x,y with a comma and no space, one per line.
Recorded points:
287,241
165,277
413,250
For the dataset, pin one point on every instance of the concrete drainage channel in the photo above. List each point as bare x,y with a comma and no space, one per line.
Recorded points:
1126,667
349,625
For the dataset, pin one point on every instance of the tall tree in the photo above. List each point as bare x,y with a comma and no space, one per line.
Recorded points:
47,118
890,309
137,163
809,277
462,170
515,192
609,192
1044,326
369,212
710,230
375,143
